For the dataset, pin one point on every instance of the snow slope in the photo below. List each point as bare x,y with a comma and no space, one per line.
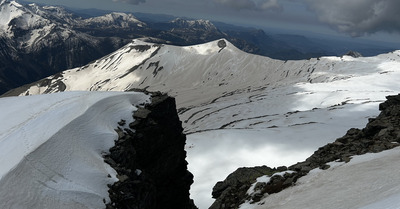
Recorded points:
240,109
369,181
31,27
115,20
51,148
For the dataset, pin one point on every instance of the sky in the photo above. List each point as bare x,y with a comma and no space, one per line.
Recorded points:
369,19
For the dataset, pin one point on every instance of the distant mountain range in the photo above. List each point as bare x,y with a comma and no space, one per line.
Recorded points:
38,41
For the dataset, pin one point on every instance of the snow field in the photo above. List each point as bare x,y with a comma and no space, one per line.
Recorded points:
271,112
300,118
369,181
68,134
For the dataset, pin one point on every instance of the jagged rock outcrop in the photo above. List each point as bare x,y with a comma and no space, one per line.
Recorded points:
381,133
149,158
232,192
353,54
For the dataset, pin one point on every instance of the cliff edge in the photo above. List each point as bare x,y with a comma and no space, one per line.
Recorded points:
149,158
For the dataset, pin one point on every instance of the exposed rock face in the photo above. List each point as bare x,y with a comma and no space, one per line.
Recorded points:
231,192
381,133
150,160
353,54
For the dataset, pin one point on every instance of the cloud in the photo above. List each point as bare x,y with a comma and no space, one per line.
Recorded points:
358,17
256,5
135,2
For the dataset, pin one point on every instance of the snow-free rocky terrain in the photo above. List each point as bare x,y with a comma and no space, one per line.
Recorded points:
240,109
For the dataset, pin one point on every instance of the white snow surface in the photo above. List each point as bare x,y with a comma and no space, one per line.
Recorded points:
370,181
34,27
240,109
51,148
114,19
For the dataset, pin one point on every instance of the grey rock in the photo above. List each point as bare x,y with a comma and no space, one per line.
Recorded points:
150,160
379,134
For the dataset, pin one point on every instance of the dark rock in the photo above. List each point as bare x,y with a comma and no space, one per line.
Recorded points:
221,44
345,159
324,167
150,160
122,123
381,133
233,190
141,113
281,168
141,48
353,54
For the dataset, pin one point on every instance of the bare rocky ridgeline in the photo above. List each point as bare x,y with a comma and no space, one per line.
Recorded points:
150,160
381,133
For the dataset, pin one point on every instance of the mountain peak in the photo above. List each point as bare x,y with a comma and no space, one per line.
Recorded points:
15,16
353,54
116,19
15,3
194,23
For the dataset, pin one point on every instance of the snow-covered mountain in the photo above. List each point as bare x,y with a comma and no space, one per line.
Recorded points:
198,24
38,41
33,27
115,20
241,109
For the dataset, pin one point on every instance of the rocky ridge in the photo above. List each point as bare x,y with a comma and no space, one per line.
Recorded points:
149,158
381,133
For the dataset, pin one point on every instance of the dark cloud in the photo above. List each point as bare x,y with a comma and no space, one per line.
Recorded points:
257,5
358,17
130,1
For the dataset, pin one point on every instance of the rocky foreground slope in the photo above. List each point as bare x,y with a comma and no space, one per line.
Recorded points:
381,133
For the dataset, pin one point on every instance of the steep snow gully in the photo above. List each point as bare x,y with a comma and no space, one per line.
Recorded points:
52,152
